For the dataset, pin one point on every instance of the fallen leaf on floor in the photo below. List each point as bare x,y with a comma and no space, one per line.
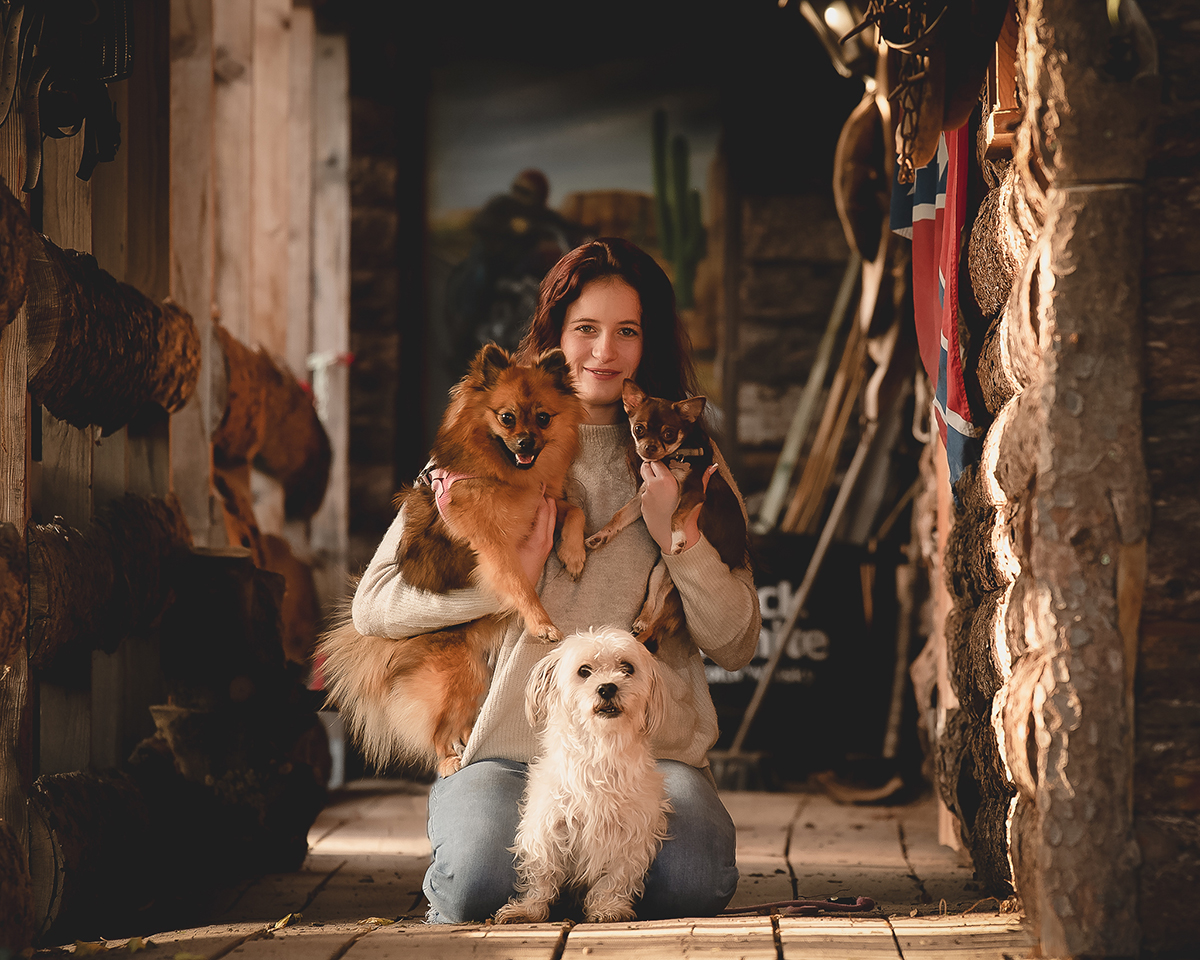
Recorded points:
137,943
287,921
85,948
378,921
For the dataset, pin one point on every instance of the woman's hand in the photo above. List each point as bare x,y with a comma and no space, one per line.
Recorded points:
660,497
534,549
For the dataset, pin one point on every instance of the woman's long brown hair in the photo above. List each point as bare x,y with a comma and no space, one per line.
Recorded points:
666,369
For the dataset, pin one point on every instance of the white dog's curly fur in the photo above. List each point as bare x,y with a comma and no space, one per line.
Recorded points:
594,814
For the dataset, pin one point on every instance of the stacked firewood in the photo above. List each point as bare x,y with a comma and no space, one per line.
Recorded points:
235,772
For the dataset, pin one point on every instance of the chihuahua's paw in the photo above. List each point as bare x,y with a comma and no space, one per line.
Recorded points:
646,636
678,541
597,540
449,765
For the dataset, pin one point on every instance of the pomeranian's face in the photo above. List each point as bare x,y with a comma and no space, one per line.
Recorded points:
599,680
523,408
658,426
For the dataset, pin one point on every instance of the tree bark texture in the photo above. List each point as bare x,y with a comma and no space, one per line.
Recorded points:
16,919
14,594
1042,566
1167,731
100,350
90,588
16,236
270,422
96,827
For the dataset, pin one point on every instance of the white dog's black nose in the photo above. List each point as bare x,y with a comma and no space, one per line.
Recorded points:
607,691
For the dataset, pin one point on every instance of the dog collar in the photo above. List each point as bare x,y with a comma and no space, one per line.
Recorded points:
684,454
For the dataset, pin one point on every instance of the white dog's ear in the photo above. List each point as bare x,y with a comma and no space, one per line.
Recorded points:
655,708
538,691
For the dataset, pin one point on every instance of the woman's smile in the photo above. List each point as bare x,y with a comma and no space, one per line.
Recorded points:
602,338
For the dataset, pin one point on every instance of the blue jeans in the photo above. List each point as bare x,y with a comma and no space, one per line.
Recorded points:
473,823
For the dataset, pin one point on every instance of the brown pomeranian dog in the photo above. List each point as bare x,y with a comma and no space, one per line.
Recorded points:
508,437
673,433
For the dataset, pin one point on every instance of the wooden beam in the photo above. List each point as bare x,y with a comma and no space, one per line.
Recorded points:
192,251
64,485
145,143
233,167
270,218
331,303
16,702
300,191
1080,299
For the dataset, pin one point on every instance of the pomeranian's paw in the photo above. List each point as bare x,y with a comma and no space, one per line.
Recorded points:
573,559
449,765
522,911
546,631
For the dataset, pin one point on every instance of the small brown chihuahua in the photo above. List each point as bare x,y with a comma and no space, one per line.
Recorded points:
672,433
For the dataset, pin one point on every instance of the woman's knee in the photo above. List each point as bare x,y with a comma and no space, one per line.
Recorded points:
695,873
472,825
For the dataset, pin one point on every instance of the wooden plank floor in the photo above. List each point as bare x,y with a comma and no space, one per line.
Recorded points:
358,894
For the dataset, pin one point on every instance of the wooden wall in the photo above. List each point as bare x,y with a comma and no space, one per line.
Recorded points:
1074,626
1167,735
228,195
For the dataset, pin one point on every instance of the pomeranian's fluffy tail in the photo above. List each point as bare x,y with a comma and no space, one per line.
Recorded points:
390,720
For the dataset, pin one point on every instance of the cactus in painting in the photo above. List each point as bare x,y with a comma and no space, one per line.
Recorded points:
681,235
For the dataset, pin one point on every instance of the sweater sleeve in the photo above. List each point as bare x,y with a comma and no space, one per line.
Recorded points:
386,606
720,605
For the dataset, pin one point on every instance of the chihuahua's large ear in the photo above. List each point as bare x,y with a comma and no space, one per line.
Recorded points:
541,688
488,364
691,408
632,396
554,362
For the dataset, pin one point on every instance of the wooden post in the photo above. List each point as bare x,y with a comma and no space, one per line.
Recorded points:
233,167
300,203
65,483
16,704
129,230
331,302
146,143
1066,466
192,253
270,220
110,479
731,285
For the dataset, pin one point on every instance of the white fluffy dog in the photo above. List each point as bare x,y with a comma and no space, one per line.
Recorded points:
595,811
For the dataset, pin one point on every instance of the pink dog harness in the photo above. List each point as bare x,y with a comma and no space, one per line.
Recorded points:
440,481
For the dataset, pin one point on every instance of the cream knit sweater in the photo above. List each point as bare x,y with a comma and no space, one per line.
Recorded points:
721,608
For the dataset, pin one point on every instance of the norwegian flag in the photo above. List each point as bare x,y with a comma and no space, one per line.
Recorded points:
930,212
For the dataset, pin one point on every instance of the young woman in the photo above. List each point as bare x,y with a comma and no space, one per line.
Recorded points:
612,310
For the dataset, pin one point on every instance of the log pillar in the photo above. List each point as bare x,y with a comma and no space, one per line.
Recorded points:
1064,467
1088,519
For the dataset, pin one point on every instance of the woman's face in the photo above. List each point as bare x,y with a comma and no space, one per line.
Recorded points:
602,338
